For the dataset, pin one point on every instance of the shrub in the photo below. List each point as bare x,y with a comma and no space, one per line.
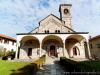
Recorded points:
11,54
4,58
67,64
7,54
86,66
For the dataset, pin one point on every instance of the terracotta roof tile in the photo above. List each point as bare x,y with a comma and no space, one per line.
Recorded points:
8,37
98,36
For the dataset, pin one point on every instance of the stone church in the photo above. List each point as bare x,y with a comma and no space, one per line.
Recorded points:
54,37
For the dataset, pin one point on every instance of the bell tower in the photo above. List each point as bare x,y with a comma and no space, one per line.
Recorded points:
65,14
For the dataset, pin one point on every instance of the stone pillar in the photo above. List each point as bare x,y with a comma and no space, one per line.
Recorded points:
40,53
17,48
63,48
65,52
89,53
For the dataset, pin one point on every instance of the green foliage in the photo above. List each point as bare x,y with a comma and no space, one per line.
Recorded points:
1,51
7,67
6,54
17,68
87,66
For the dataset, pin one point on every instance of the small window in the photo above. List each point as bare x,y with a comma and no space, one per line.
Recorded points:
98,45
68,31
46,31
1,40
58,31
29,51
91,46
74,51
55,31
66,11
13,43
6,41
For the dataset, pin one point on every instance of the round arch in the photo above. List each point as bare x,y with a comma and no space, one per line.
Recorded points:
54,37
75,36
52,45
25,38
74,44
29,45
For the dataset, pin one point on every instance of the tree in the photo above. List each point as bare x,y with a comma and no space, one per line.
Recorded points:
1,51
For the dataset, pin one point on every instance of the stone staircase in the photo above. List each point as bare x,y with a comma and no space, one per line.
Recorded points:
51,67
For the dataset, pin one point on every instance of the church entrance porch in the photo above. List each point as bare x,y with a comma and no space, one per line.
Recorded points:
75,46
29,46
53,51
52,45
71,46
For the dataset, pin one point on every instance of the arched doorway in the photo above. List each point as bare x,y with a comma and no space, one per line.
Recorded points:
52,45
76,51
53,51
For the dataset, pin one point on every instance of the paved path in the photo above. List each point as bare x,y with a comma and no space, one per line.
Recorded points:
51,67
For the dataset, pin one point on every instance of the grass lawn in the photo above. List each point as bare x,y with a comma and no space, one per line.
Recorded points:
15,68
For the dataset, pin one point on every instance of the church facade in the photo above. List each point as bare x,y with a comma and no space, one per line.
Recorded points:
54,37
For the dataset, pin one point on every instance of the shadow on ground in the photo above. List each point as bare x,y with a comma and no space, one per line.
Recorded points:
30,69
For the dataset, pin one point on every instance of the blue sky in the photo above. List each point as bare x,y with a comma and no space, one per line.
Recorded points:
21,16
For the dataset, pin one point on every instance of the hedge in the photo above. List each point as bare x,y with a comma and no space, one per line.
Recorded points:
84,66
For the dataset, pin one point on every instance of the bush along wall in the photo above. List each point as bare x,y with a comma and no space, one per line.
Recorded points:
84,66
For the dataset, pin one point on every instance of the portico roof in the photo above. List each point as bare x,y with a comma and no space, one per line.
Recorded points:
53,33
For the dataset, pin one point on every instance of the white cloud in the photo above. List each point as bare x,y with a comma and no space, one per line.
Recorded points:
18,16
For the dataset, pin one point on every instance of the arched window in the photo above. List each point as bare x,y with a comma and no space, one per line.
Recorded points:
76,51
57,31
29,52
46,31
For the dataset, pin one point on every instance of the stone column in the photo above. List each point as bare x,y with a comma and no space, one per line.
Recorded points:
89,53
17,48
65,52
40,53
63,48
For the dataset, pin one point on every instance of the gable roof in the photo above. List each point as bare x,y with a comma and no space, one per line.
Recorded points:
61,21
53,16
96,37
7,37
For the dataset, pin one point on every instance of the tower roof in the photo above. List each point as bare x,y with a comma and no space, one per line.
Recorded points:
64,5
